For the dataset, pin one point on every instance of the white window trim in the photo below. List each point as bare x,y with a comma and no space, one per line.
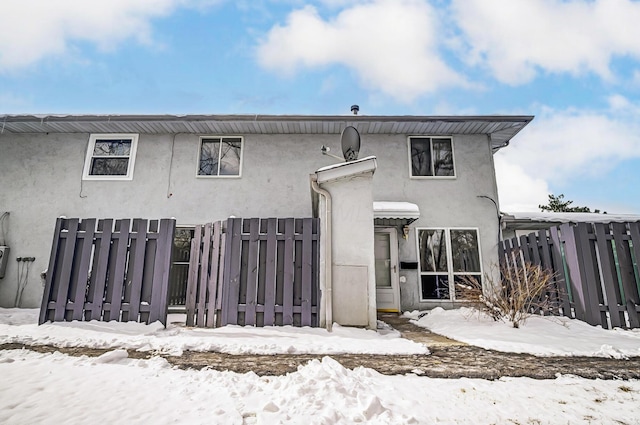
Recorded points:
226,136
450,273
453,154
132,156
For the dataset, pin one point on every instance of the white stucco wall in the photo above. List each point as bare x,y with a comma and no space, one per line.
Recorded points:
353,267
41,180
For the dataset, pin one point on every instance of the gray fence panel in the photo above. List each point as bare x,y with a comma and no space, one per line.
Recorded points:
88,264
595,269
269,316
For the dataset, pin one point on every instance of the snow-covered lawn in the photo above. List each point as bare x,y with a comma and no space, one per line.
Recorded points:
55,388
542,336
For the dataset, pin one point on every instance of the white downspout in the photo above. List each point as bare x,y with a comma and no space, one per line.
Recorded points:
327,299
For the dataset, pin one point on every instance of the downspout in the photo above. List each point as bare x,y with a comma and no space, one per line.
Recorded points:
328,297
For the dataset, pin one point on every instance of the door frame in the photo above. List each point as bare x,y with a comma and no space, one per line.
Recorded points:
394,268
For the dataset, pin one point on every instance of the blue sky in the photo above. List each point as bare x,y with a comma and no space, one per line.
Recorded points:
575,65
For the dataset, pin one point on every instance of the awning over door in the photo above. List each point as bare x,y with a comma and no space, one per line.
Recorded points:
389,213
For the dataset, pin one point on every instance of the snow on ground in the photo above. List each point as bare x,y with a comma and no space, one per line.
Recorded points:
20,326
55,388
543,336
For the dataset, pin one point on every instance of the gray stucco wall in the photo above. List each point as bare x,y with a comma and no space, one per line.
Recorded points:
42,179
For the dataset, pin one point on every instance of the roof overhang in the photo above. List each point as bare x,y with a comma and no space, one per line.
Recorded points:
500,128
544,220
387,213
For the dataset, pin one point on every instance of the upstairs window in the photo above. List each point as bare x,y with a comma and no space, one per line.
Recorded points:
447,257
110,157
220,157
431,157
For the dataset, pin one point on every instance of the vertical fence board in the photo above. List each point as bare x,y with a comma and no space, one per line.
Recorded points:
204,274
99,274
51,271
212,282
85,245
162,267
66,266
289,270
575,275
307,277
232,272
589,266
192,281
252,272
270,273
608,270
151,252
115,285
133,283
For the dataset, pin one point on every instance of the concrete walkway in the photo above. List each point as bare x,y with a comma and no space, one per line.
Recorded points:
415,333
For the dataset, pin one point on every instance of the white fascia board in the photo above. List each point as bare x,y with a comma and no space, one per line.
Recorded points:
347,169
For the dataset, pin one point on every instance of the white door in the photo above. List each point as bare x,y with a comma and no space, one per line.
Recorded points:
386,254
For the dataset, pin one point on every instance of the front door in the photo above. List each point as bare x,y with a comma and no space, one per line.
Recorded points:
386,254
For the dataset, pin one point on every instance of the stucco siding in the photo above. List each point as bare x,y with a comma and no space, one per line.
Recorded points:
42,179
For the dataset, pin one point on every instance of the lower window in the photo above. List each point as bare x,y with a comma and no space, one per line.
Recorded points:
447,257
181,254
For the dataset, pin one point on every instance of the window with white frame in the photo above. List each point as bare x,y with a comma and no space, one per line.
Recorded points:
447,257
431,157
220,157
110,157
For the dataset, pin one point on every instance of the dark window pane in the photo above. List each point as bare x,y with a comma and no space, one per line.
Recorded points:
109,166
465,252
209,154
230,157
421,157
442,157
433,250
121,147
182,244
434,287
466,280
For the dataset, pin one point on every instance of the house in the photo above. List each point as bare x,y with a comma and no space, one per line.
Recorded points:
422,197
516,224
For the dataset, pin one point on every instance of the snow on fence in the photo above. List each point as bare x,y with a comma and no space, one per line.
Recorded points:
108,270
259,272
595,268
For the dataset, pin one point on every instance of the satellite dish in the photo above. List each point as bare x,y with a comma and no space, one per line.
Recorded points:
350,143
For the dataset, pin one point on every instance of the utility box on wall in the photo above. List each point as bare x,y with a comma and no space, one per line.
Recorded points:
4,259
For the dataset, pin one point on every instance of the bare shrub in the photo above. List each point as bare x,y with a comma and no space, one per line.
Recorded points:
522,291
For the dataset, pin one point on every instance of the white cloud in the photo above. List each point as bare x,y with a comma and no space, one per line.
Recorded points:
518,190
35,29
562,146
391,45
519,38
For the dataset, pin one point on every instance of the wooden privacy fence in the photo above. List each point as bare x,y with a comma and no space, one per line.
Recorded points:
595,269
258,272
108,270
